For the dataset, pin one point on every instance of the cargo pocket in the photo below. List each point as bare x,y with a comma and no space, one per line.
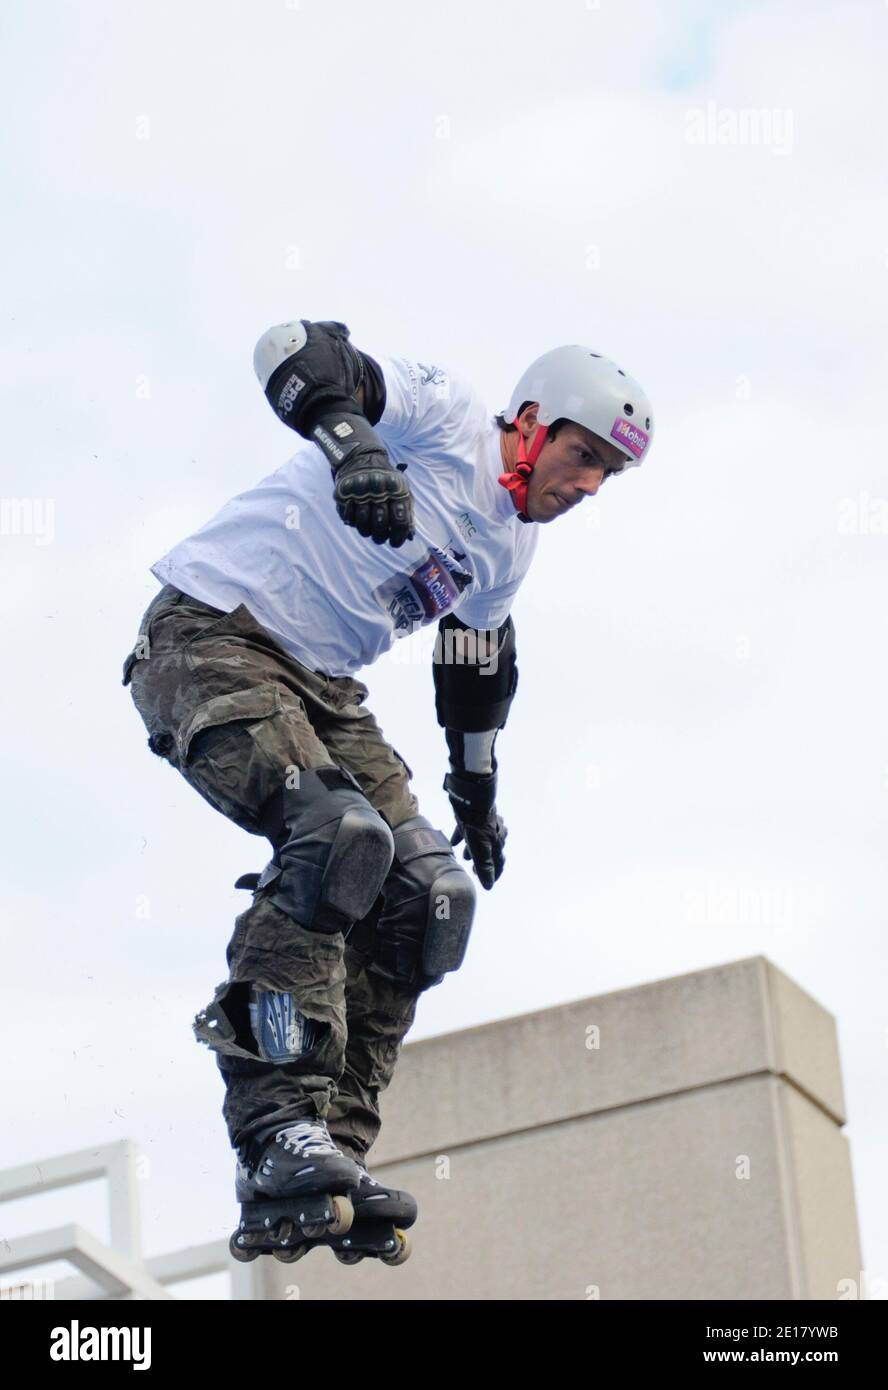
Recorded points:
231,753
240,706
202,624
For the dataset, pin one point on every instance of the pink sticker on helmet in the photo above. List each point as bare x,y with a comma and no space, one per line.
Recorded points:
632,436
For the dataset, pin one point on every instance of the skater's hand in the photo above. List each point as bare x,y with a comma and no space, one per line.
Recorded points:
375,498
484,846
478,823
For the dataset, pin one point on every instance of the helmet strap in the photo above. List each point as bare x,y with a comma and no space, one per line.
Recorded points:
516,481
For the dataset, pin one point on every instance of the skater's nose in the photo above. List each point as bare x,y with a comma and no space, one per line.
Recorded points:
590,482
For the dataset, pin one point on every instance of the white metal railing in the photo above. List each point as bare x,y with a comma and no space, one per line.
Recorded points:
118,1270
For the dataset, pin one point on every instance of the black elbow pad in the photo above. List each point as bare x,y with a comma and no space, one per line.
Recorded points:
473,692
309,369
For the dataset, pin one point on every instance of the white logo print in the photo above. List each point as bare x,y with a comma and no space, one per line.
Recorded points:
76,1343
328,442
290,392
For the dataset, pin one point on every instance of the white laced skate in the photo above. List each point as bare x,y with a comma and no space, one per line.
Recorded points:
298,1159
298,1195
307,1137
309,1193
304,1139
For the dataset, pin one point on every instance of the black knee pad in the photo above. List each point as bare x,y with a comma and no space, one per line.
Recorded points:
423,929
332,851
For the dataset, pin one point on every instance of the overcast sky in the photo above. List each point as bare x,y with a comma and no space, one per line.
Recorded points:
696,766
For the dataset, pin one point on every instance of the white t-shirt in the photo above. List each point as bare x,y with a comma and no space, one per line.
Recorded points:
334,599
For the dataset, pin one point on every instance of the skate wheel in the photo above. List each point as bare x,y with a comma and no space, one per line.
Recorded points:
348,1257
343,1216
397,1257
242,1253
289,1257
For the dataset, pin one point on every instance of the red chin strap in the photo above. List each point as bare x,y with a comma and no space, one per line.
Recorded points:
516,482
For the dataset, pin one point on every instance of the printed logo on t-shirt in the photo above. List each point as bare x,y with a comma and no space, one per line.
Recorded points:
432,376
420,595
437,378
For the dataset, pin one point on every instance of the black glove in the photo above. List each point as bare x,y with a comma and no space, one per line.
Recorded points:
473,797
375,498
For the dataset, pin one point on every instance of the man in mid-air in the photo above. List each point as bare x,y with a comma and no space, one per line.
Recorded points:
407,503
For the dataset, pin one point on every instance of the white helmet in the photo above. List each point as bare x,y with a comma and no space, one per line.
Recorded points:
577,384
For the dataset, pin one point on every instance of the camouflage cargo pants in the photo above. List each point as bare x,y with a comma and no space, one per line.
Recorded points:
235,715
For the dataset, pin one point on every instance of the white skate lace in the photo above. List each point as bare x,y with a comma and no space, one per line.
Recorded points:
307,1137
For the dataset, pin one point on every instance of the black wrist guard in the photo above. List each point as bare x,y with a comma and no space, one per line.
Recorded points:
471,794
473,693
344,436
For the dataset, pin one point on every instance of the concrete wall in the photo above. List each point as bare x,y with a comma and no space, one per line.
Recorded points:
680,1140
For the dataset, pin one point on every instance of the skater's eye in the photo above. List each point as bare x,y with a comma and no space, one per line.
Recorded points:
588,457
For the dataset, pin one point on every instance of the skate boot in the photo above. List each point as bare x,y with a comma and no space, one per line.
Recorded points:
378,1230
293,1185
